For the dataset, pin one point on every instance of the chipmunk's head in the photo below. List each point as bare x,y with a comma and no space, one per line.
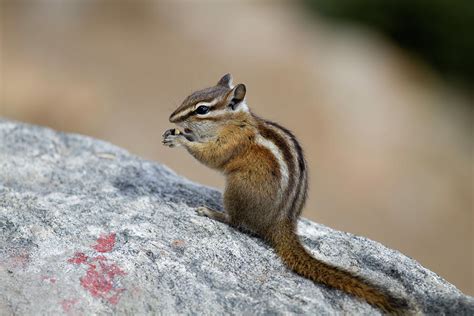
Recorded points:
205,111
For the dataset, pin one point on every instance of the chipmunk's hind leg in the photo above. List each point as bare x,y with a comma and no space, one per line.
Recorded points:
213,214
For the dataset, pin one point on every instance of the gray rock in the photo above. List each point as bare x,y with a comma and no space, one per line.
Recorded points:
87,228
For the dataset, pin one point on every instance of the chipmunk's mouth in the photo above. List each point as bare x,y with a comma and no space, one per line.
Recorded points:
189,134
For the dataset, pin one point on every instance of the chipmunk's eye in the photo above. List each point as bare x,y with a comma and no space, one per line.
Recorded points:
202,109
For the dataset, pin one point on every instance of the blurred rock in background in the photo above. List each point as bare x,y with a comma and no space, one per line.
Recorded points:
388,138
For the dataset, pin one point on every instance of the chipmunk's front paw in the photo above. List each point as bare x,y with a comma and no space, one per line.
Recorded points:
173,137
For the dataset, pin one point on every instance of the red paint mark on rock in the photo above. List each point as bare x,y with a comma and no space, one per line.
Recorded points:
99,279
99,258
79,257
67,304
105,243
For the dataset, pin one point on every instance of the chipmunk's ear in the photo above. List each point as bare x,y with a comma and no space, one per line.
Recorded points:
225,81
237,95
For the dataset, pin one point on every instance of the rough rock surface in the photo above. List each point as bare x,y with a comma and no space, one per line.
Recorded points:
87,228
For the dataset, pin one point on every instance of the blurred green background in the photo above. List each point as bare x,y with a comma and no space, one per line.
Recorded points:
438,32
379,94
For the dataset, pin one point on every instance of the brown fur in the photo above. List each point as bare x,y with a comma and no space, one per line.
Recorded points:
253,198
289,248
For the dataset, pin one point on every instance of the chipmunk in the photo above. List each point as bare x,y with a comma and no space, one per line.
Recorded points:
266,180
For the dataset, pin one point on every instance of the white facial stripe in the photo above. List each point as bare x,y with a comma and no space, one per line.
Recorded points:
182,113
185,112
209,104
279,158
215,113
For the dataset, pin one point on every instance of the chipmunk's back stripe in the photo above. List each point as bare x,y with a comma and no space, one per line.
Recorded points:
282,171
274,136
299,150
297,198
287,207
301,198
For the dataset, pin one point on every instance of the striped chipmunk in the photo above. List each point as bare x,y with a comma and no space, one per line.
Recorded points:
266,181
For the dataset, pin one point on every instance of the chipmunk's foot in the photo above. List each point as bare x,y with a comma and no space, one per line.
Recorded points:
202,211
216,215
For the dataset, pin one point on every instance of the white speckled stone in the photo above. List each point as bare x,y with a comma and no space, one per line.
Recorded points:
86,228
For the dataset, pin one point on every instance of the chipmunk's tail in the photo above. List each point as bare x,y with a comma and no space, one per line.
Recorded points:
289,248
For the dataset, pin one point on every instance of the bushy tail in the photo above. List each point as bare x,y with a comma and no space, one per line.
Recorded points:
287,245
